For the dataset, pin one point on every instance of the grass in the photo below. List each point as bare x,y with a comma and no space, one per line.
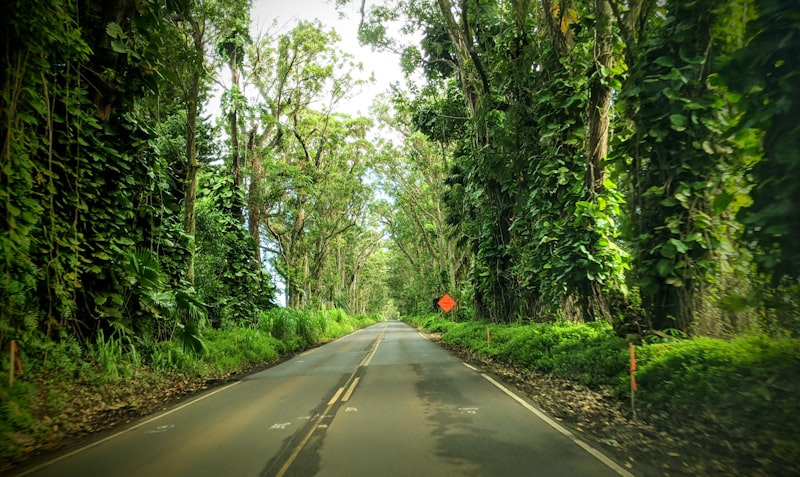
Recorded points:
54,368
746,386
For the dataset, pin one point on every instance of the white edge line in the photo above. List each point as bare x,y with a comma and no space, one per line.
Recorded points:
132,428
530,408
470,367
423,336
588,448
602,458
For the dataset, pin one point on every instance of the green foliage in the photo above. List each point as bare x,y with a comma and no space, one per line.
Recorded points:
682,163
164,311
281,323
15,418
538,236
77,125
108,355
695,374
589,353
240,348
763,73
299,329
171,357
226,277
541,241
746,387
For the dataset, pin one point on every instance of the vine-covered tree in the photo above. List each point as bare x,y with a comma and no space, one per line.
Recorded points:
78,161
633,213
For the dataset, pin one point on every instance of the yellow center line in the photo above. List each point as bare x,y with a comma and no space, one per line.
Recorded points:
307,437
351,389
352,381
374,350
336,396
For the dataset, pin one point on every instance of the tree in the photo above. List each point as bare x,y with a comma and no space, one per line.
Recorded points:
415,218
760,72
70,113
319,182
528,174
681,160
289,73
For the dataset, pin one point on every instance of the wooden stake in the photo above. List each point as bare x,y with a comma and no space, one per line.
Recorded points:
633,381
11,364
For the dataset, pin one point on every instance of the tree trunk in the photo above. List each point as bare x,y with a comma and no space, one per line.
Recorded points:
253,196
600,98
233,119
470,84
595,305
192,165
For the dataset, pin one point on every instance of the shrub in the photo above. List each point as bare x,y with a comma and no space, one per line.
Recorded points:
15,416
237,349
308,328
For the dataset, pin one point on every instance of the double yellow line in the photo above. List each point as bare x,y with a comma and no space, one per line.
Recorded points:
350,385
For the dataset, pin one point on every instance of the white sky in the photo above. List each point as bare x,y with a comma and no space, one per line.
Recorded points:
384,66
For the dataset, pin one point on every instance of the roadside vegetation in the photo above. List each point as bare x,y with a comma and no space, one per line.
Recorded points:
627,168
743,389
68,389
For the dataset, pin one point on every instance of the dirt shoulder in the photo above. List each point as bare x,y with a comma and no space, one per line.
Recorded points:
73,414
649,446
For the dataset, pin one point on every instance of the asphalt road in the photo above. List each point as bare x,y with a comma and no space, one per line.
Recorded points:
383,401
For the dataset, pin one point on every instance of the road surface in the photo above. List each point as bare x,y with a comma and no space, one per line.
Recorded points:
383,401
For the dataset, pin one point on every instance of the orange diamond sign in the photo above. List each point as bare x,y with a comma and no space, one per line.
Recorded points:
446,303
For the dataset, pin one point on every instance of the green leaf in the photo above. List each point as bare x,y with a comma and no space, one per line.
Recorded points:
119,46
13,210
680,247
764,393
734,303
721,202
693,237
27,118
678,122
114,30
664,268
29,217
674,281
11,286
668,250
665,61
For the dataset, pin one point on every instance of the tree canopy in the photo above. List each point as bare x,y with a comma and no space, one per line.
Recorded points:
631,161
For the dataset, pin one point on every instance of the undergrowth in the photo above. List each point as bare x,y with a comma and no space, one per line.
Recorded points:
112,359
746,387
